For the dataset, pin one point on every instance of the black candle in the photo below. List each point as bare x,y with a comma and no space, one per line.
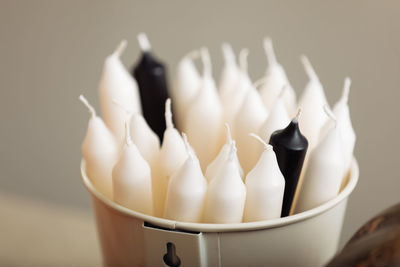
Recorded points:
151,77
290,147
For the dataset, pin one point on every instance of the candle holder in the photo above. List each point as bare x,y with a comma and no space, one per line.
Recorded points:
130,238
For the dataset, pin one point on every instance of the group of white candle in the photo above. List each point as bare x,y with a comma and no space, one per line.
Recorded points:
126,163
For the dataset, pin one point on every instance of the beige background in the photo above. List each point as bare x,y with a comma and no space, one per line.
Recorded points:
52,51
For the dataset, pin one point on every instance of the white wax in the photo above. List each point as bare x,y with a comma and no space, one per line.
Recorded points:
265,188
215,166
311,103
99,149
132,179
249,119
345,127
275,78
144,138
226,194
187,189
117,84
186,86
171,156
203,124
324,173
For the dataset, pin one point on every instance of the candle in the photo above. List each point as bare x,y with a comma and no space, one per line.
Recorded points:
187,189
116,83
131,178
151,77
344,125
186,86
290,147
277,119
226,194
215,166
265,185
325,170
312,102
172,155
204,117
233,99
100,152
249,118
275,78
229,78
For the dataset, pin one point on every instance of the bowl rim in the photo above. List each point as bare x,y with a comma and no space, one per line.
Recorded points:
230,227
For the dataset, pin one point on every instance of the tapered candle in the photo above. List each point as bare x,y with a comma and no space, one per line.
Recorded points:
226,194
116,83
275,78
204,117
290,147
265,186
100,151
151,76
172,155
131,178
187,189
186,87
325,171
249,119
312,102
215,166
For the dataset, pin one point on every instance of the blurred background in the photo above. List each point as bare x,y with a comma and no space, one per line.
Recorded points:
52,51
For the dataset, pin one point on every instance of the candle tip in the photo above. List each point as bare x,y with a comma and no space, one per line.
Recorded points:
205,58
346,89
228,133
243,54
296,118
168,114
228,53
195,54
266,146
259,82
232,151
91,109
187,145
269,51
128,139
121,47
144,42
330,114
308,67
283,90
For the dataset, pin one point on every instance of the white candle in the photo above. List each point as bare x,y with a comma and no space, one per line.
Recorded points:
344,125
265,186
311,103
203,123
275,78
249,118
132,179
187,189
215,166
324,173
171,157
116,83
186,86
100,152
226,194
233,100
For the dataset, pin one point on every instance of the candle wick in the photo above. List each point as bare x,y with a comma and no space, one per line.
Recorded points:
232,151
128,111
330,114
144,42
346,90
121,48
205,58
296,118
228,53
312,75
128,139
91,109
187,145
266,146
228,134
283,90
243,60
168,114
269,51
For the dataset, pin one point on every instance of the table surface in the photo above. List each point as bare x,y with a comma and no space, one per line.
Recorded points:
35,233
